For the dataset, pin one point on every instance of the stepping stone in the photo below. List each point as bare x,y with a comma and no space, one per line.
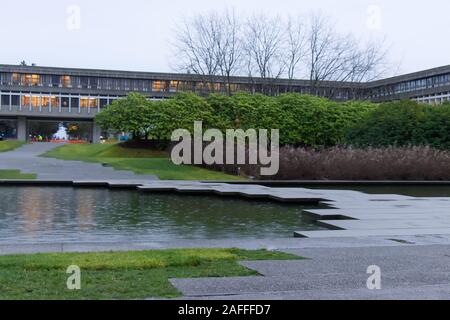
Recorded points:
386,224
371,233
386,205
383,213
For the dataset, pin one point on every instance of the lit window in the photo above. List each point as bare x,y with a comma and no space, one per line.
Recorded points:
159,86
25,100
55,101
94,103
31,80
35,101
174,86
16,78
86,102
66,81
45,101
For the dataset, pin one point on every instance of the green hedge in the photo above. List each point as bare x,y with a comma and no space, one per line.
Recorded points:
404,123
302,120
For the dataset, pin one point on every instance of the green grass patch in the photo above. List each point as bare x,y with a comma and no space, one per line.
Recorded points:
9,145
140,161
120,275
16,175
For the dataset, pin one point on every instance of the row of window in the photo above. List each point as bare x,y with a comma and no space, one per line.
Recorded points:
37,80
38,101
414,85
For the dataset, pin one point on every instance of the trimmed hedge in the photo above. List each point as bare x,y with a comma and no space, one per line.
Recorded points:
303,121
404,123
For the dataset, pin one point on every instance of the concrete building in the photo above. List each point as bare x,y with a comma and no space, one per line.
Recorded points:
36,100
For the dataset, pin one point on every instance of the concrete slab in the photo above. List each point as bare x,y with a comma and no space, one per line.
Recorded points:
428,292
369,233
290,282
335,273
377,214
364,204
386,224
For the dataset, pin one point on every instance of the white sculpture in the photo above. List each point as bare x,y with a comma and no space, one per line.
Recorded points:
62,133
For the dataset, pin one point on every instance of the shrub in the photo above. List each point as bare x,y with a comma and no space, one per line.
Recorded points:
318,122
302,120
404,123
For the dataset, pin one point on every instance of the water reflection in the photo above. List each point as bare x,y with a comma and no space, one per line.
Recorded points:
66,214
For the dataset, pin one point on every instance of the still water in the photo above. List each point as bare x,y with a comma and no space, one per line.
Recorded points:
55,214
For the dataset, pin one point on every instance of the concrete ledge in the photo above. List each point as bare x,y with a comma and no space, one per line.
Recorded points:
285,183
101,184
372,233
36,182
335,183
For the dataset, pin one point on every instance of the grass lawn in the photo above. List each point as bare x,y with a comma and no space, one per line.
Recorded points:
140,161
126,275
9,145
16,175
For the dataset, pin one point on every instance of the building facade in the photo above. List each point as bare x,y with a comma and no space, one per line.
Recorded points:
36,100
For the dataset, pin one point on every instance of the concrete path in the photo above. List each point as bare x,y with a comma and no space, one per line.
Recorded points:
407,272
27,160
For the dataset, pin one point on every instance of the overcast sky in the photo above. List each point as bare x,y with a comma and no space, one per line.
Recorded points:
135,34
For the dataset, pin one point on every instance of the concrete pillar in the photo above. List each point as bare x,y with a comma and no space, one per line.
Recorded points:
96,133
22,129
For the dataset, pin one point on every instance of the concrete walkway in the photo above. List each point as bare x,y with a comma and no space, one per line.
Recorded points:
27,160
411,268
407,272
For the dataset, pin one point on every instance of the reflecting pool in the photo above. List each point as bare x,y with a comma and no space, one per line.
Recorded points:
58,214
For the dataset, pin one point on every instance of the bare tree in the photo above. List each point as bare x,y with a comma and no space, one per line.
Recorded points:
326,51
210,45
196,46
263,46
367,63
336,57
229,46
222,44
295,45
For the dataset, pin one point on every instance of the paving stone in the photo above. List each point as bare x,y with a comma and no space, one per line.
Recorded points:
374,224
369,233
407,272
427,292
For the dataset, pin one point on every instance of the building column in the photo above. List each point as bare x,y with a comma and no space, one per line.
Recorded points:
96,133
22,129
